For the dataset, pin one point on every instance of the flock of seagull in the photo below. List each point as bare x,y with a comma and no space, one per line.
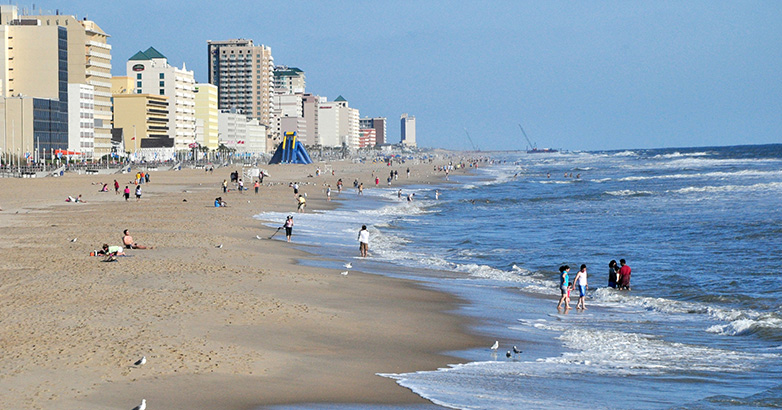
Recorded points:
508,354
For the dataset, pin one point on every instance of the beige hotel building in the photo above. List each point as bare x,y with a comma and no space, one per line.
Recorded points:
40,55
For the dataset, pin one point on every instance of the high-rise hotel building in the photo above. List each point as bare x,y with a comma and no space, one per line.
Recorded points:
40,56
244,76
407,123
152,74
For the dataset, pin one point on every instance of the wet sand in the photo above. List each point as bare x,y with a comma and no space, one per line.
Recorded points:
235,327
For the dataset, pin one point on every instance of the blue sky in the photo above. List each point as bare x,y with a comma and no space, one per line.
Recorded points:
577,75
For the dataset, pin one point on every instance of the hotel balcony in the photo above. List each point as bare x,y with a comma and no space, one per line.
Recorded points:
95,83
95,63
97,73
99,45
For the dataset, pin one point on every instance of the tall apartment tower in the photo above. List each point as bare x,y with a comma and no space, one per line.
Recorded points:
88,61
244,76
310,105
379,125
408,130
153,75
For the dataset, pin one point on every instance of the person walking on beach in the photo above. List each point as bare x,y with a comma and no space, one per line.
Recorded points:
127,193
240,185
339,186
288,225
361,188
363,241
138,193
563,287
328,193
623,282
225,186
116,187
302,204
581,282
613,270
256,186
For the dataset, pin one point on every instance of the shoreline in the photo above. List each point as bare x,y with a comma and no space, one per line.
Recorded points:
216,324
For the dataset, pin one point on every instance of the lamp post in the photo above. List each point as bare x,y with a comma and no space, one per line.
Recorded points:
135,144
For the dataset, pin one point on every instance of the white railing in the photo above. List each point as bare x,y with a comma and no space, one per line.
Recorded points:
95,73
94,53
99,83
94,63
101,45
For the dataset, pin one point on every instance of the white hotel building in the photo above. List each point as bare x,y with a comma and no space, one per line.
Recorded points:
338,124
151,74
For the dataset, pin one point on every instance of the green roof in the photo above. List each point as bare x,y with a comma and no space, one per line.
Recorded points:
139,56
147,55
293,71
152,53
340,98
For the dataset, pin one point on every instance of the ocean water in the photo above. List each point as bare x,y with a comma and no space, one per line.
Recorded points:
700,227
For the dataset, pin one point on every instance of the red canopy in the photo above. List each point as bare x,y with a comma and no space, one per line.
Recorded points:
66,152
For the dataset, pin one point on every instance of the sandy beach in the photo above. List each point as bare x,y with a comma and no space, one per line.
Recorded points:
235,327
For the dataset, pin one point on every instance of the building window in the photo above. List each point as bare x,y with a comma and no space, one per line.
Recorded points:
138,91
162,76
138,76
138,84
162,92
162,83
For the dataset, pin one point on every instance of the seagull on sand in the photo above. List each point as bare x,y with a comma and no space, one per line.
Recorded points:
348,265
141,362
257,236
516,350
74,239
219,246
141,406
345,273
508,354
496,345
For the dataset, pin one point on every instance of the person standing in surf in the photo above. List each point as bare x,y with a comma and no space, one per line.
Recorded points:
623,281
563,287
581,282
612,272
288,225
363,241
